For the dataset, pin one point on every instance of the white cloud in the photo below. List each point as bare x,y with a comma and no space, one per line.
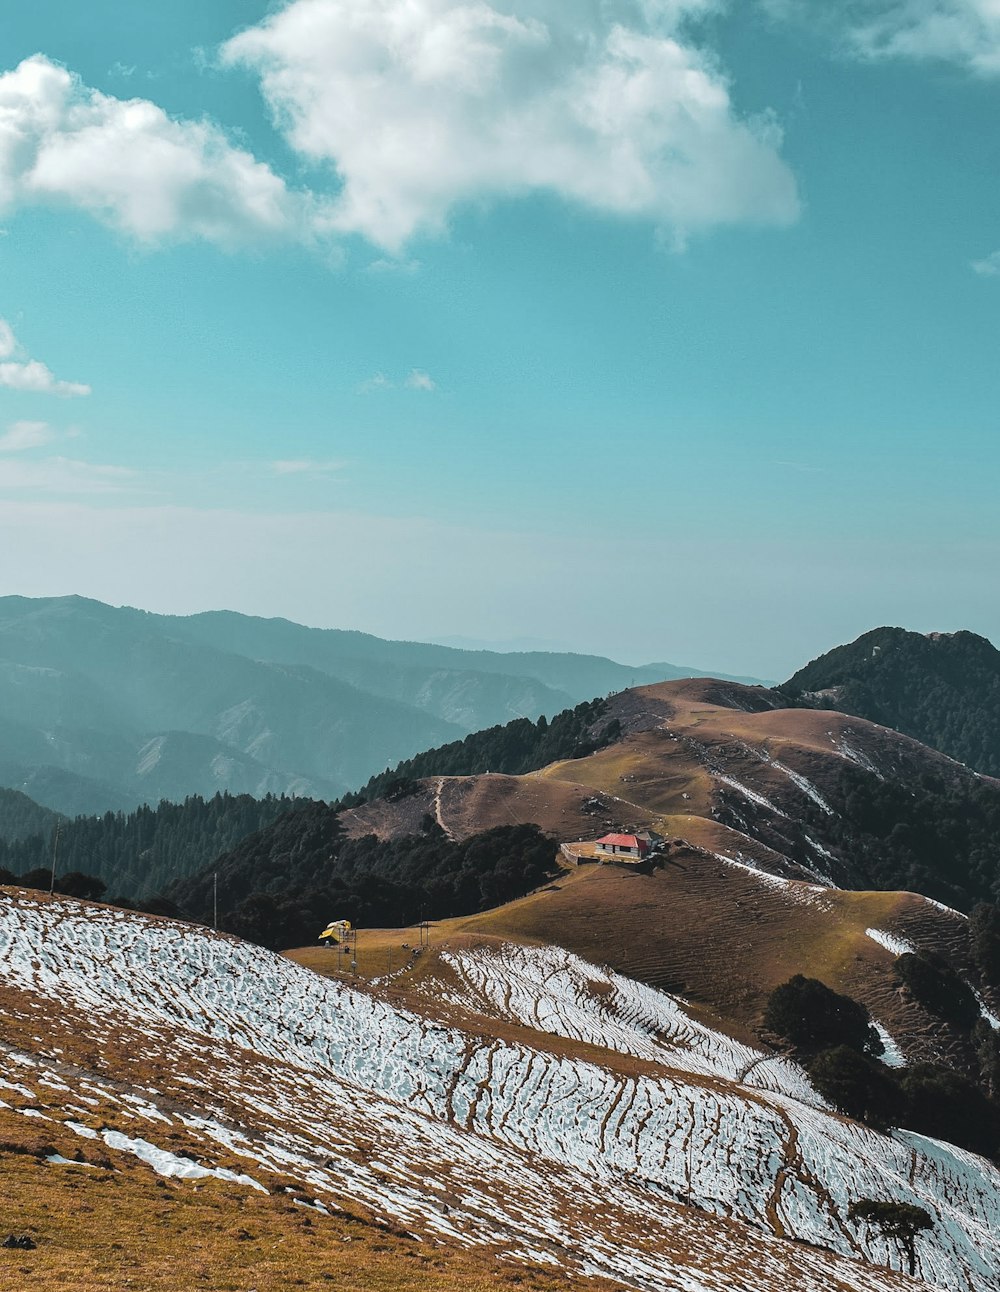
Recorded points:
989,266
18,372
966,32
25,435
130,165
421,106
962,32
8,341
415,379
58,475
377,382
38,379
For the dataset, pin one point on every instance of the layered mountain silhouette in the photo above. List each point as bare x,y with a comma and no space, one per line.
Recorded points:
104,708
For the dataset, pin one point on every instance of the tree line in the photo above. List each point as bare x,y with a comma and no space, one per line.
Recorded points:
281,886
138,854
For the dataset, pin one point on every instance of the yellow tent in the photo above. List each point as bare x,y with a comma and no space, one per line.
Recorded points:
335,931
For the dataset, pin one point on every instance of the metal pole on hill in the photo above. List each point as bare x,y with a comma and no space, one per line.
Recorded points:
55,851
215,899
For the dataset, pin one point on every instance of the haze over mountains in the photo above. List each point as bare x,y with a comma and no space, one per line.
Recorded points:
105,708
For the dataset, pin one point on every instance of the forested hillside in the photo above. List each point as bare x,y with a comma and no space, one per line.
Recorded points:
943,689
21,816
513,749
137,854
281,886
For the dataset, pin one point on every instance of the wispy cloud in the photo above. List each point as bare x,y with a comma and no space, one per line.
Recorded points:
20,436
306,466
415,379
59,475
36,378
379,381
989,266
18,372
388,265
965,33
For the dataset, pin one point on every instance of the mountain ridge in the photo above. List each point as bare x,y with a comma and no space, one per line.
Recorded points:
86,687
941,688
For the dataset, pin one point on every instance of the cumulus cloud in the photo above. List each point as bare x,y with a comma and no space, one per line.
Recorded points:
25,435
421,106
18,372
417,379
130,165
989,266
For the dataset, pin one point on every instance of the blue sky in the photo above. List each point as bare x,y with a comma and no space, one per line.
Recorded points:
666,329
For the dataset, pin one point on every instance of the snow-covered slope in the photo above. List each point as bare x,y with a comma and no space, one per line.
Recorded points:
593,1125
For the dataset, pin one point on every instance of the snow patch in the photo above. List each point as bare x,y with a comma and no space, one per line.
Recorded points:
895,945
893,1056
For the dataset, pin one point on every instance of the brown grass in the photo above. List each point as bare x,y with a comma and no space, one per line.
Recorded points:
718,936
126,1228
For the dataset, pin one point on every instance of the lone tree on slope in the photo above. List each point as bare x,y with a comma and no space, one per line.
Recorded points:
900,1221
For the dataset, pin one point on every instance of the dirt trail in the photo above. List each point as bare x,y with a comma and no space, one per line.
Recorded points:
437,808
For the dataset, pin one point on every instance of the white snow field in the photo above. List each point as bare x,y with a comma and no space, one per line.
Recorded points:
668,1158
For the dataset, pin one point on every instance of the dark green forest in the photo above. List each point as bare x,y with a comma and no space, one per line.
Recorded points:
513,749
21,817
942,689
137,854
940,838
282,885
833,1037
938,834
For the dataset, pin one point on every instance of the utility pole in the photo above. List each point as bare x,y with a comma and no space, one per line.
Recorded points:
215,899
55,851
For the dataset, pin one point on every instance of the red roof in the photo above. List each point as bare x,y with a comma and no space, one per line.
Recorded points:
622,841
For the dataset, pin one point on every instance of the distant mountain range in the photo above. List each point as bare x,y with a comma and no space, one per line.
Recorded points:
104,708
943,689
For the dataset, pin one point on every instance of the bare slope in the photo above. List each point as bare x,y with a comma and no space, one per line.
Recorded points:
787,780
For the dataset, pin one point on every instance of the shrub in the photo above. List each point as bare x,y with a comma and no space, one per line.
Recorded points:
900,1221
859,1086
941,1102
933,982
813,1017
984,942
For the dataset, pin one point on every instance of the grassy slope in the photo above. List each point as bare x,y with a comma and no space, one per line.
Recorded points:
710,931
715,934
123,1227
119,1226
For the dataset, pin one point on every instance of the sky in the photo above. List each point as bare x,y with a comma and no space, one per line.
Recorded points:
662,329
